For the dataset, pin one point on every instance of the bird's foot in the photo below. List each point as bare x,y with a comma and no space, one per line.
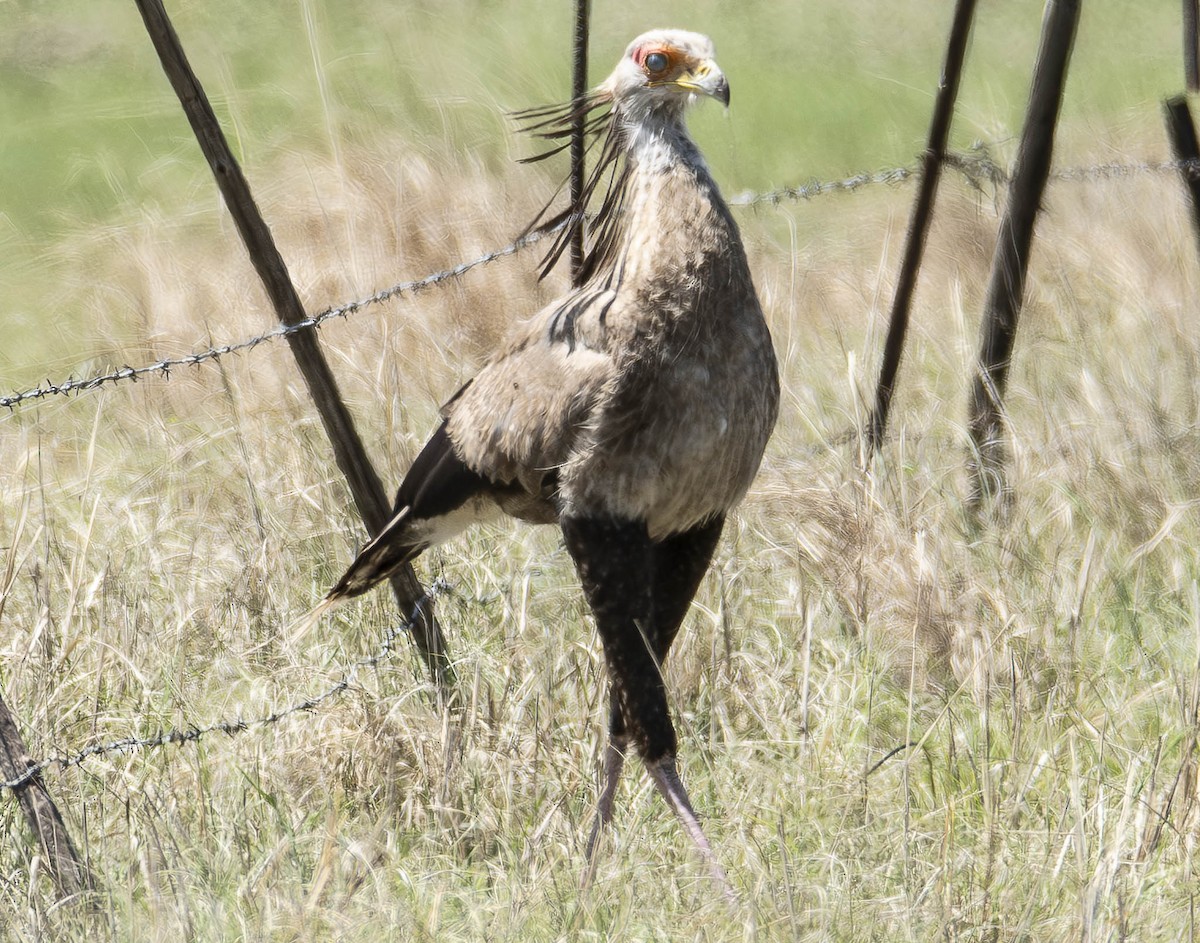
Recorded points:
614,762
666,778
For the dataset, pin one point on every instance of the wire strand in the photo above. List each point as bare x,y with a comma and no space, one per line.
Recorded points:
239,725
977,166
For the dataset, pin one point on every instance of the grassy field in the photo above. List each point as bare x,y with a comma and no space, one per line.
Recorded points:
157,539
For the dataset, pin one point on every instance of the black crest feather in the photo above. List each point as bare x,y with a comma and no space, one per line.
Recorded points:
600,212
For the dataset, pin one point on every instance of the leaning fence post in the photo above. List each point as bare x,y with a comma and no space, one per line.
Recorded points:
69,872
1006,283
1182,132
348,449
931,167
1191,44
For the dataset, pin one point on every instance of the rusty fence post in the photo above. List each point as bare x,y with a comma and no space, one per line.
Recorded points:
1182,131
1191,44
1006,283
918,228
351,456
63,861
578,144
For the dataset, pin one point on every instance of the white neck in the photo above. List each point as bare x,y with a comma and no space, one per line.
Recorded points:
657,137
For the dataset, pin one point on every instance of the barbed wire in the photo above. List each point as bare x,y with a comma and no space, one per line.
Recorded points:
240,725
977,166
166,365
1117,169
816,188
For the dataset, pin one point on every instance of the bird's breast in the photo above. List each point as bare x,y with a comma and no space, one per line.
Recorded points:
676,433
681,431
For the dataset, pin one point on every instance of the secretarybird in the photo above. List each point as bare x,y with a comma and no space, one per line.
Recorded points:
632,412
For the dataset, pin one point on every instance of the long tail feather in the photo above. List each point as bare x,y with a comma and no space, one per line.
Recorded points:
301,627
375,562
378,560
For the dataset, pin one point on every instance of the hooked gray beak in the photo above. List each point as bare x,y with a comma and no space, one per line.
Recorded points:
707,79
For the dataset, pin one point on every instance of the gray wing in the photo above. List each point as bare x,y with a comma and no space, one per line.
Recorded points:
526,412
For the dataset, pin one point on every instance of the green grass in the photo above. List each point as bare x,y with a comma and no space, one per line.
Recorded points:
95,138
163,536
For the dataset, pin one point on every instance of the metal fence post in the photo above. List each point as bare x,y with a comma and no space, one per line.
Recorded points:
931,167
349,452
1006,283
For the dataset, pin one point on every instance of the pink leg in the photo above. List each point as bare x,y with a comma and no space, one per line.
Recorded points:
666,778
614,762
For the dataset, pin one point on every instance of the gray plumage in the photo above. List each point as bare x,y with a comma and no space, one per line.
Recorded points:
634,411
651,391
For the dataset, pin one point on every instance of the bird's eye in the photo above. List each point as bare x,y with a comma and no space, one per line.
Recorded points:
657,62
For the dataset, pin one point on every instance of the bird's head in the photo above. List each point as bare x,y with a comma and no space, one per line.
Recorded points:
661,72
665,69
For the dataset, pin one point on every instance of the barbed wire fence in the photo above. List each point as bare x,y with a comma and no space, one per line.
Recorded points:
234,726
977,167
165,366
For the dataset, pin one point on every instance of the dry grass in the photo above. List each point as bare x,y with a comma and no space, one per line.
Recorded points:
1043,670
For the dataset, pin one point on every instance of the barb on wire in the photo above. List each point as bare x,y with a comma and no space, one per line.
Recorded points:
817,188
977,166
1113,171
240,725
